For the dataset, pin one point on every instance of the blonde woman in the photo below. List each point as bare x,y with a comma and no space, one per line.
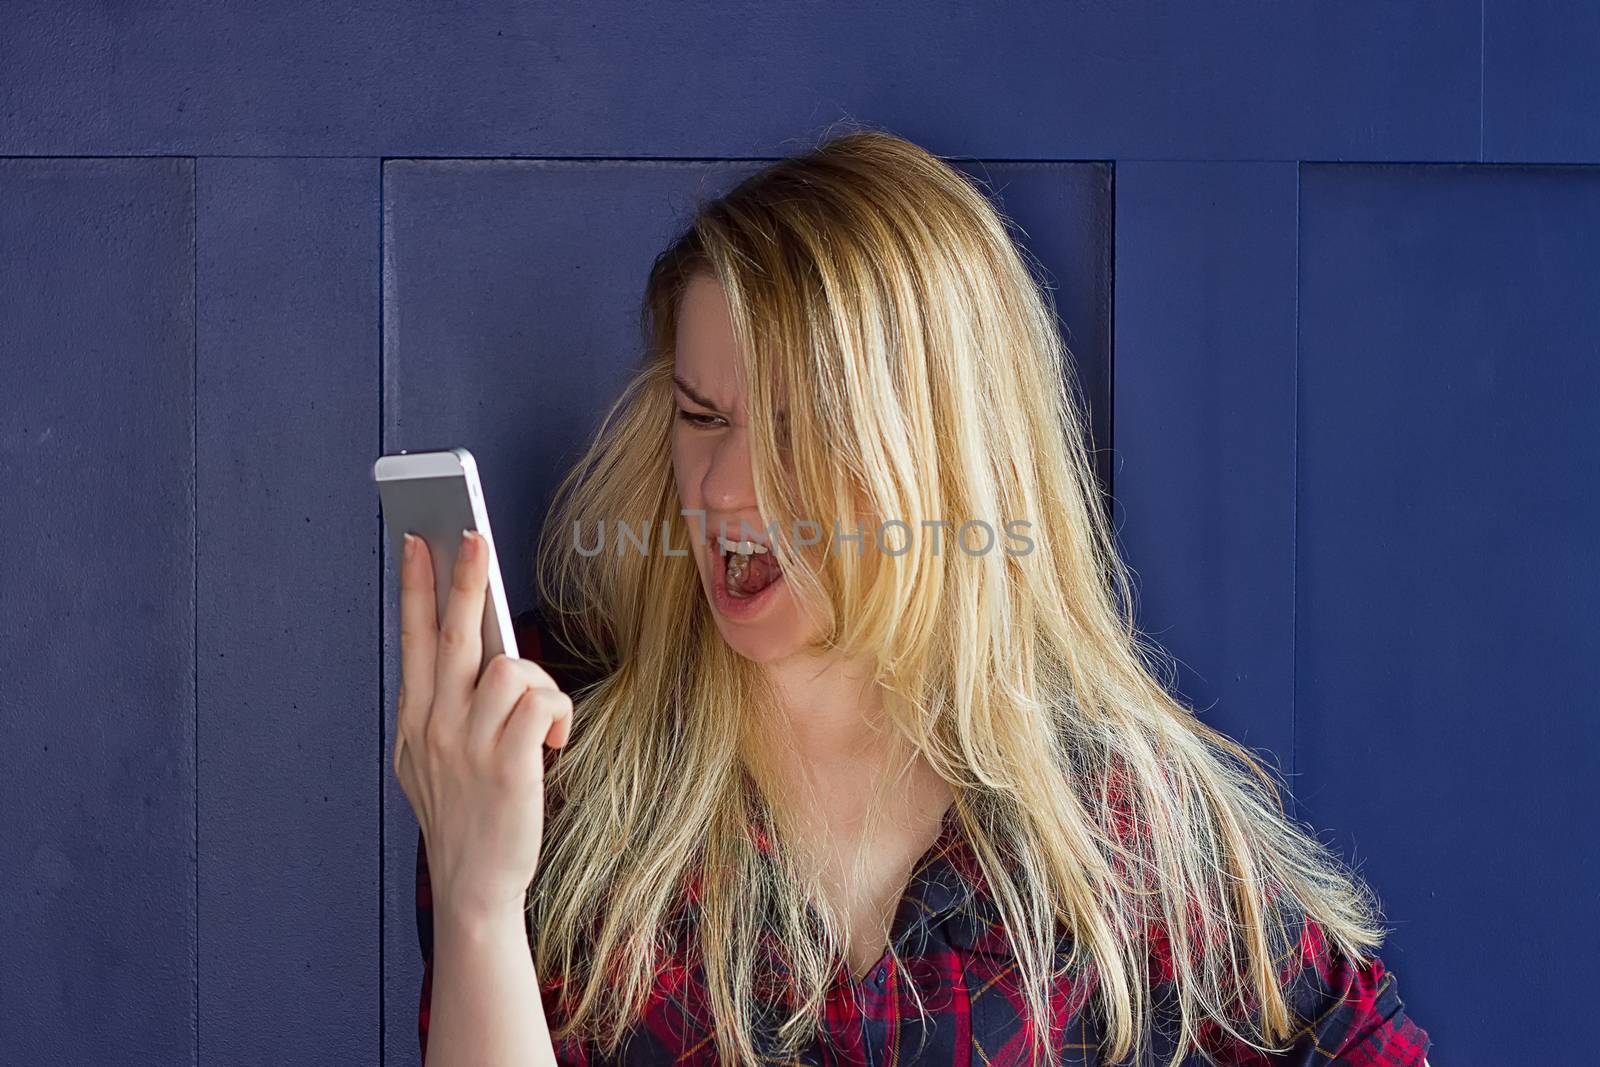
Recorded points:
844,748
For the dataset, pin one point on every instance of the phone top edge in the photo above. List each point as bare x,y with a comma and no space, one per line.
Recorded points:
443,463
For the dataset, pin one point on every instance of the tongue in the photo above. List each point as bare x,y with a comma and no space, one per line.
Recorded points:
760,572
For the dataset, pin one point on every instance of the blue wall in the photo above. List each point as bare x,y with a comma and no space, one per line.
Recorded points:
1331,273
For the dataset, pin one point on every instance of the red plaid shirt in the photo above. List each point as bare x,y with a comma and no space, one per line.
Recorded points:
952,948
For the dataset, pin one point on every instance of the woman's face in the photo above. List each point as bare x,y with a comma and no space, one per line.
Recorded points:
711,460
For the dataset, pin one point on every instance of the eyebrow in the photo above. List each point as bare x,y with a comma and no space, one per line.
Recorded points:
693,394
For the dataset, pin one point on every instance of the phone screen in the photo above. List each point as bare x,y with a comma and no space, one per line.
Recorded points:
435,496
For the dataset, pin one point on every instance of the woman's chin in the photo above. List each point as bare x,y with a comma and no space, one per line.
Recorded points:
754,650
762,642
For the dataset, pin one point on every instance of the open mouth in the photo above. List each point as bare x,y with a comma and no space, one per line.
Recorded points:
749,566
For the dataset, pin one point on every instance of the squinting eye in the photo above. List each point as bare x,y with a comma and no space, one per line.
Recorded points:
696,418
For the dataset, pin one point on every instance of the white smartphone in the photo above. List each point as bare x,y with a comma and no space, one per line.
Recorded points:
436,495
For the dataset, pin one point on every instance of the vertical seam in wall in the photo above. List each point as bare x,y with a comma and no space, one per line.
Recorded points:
194,551
1294,537
1111,343
383,990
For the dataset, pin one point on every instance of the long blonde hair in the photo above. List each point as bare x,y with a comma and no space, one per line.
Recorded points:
877,297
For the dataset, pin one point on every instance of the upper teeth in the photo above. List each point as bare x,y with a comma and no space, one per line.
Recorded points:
742,547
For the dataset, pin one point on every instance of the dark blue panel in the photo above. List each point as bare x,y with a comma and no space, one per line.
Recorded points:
288,613
1448,658
1204,432
1541,95
97,624
511,312
1264,79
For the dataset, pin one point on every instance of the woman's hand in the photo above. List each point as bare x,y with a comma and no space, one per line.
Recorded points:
469,751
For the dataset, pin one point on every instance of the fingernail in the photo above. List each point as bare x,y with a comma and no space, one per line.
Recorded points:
469,546
411,546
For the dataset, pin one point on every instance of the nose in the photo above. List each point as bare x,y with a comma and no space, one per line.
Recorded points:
728,485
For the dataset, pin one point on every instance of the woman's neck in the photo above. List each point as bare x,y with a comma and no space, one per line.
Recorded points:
831,708
835,746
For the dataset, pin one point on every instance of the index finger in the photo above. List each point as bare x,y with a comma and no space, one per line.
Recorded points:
419,634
